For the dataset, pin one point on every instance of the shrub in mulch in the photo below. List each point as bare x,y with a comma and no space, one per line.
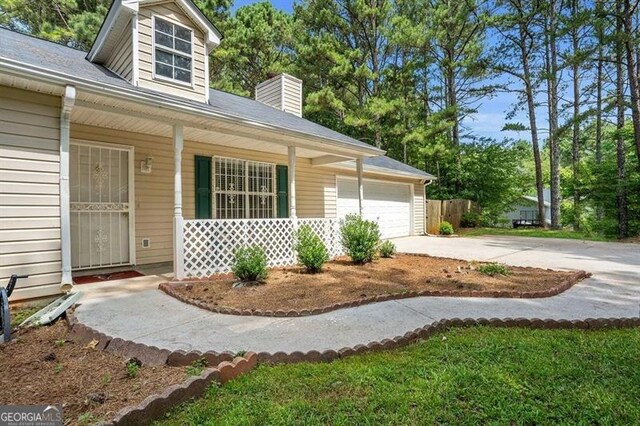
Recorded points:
291,291
45,366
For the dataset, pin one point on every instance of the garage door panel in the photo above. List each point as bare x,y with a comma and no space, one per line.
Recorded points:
386,203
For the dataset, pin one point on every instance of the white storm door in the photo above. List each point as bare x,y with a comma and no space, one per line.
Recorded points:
100,183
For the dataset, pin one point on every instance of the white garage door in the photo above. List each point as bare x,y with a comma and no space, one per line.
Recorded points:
389,204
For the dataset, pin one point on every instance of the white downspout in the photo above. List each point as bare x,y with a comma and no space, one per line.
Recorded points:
292,182
425,183
68,101
359,168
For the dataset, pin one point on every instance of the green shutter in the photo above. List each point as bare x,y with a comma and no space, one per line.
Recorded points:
203,187
282,175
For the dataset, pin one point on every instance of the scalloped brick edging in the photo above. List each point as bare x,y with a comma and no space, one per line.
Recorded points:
185,358
153,407
438,326
566,284
156,405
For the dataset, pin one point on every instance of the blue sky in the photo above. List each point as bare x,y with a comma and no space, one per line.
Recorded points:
286,5
489,120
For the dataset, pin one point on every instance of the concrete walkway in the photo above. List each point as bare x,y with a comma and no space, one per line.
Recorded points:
151,317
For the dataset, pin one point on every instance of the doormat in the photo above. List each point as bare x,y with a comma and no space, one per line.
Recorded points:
107,277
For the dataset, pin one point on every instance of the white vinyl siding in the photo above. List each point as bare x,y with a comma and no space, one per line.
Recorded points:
418,209
283,92
292,96
30,191
170,12
120,61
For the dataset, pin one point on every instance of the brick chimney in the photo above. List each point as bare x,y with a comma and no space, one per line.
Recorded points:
283,92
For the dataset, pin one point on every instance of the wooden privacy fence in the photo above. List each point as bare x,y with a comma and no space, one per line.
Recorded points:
451,211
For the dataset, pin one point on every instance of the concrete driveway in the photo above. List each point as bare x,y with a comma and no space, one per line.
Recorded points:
153,318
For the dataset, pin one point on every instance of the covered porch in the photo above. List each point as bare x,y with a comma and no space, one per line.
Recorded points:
196,187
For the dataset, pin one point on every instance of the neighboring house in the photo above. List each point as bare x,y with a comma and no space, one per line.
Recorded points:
124,156
527,210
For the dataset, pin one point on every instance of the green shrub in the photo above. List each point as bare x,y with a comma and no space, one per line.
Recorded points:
311,251
133,366
470,220
387,249
446,228
359,238
250,263
493,269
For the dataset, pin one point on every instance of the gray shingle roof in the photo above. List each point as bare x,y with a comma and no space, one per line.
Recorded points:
56,57
389,163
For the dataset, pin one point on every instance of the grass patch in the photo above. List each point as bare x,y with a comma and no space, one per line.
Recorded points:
19,315
469,376
534,232
493,269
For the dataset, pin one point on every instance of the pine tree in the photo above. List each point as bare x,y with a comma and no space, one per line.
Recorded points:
516,56
258,42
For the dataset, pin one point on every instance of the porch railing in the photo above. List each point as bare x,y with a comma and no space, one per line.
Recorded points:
209,244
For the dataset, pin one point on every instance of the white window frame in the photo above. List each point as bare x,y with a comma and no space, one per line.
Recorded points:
246,194
190,55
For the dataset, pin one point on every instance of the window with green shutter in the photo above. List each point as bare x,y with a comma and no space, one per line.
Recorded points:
282,185
203,187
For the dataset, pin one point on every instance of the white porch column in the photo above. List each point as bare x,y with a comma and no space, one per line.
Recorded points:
178,224
360,186
292,182
68,101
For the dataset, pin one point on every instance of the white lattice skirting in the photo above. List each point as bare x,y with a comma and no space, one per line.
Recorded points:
209,244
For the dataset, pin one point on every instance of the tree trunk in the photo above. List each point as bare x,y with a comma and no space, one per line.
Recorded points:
452,104
532,124
621,195
575,142
552,89
598,136
632,71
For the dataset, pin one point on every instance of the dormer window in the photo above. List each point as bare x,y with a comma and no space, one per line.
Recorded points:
173,47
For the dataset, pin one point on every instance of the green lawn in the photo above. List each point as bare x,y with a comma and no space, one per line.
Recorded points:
535,232
464,376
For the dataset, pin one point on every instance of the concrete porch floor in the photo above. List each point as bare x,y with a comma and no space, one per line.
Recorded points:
154,274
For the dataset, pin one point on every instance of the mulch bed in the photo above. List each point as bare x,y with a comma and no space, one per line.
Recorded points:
291,291
43,366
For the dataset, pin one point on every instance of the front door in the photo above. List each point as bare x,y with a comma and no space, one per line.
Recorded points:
100,193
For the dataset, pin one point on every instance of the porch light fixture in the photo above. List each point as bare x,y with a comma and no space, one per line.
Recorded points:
145,165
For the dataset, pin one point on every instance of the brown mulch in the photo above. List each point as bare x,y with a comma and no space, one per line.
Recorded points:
343,282
43,366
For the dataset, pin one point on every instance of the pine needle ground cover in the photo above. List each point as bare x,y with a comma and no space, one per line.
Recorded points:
468,376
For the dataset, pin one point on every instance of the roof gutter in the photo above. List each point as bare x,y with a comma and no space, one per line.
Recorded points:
21,69
349,165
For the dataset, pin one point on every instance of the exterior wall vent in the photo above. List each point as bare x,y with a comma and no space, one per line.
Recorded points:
283,92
